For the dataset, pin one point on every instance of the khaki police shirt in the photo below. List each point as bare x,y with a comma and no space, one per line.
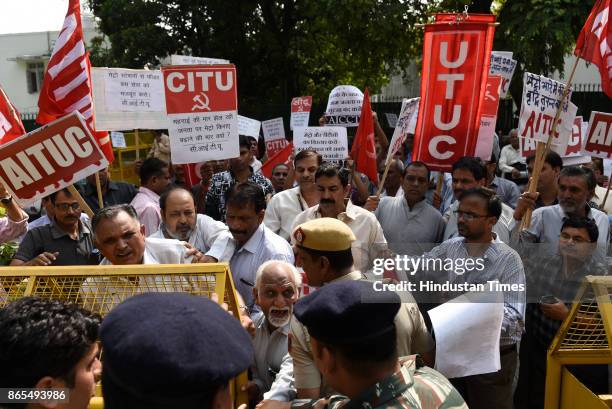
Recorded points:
412,338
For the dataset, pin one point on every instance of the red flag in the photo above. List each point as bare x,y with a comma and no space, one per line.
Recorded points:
594,42
10,122
281,156
363,151
67,84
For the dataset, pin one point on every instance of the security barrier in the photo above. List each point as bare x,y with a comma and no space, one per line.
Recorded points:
100,288
584,338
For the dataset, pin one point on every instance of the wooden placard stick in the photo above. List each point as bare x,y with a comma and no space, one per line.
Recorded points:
539,158
99,189
84,206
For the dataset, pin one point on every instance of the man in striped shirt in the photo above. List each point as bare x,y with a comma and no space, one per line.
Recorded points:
492,260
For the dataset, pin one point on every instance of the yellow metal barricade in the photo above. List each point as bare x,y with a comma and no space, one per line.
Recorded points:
100,288
584,338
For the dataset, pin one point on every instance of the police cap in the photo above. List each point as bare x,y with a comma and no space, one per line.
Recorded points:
170,350
348,311
324,234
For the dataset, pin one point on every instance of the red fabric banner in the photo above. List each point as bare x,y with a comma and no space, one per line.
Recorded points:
455,70
283,156
11,126
67,84
363,150
595,41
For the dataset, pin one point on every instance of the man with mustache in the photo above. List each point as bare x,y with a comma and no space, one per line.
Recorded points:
253,241
181,222
276,289
576,187
286,205
333,186
410,224
66,241
468,173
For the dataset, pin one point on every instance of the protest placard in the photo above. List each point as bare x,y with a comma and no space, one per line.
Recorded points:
503,65
118,139
488,118
407,117
330,141
201,102
49,159
574,143
300,112
599,135
453,84
541,97
190,60
248,126
344,106
128,99
391,119
274,135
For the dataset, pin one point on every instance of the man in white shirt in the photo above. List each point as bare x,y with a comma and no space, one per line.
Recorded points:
120,238
154,180
276,289
510,155
180,221
469,172
333,186
254,242
286,205
576,187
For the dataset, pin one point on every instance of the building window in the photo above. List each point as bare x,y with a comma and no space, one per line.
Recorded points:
35,73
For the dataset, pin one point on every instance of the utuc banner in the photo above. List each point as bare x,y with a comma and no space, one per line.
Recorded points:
456,57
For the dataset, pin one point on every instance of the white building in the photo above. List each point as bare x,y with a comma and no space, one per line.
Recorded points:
23,61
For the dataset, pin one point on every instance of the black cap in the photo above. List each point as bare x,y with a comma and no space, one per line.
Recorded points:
170,350
348,311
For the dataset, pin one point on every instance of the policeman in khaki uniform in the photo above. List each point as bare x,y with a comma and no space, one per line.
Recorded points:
324,252
352,333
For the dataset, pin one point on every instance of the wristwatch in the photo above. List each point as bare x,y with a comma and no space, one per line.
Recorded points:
6,199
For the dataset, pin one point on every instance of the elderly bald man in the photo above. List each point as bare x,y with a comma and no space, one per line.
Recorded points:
276,289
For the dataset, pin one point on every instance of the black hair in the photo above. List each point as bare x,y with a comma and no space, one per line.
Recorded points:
418,164
586,173
109,212
53,195
552,158
242,194
472,164
151,167
307,153
583,223
164,196
330,170
338,260
243,142
494,203
277,165
43,337
364,357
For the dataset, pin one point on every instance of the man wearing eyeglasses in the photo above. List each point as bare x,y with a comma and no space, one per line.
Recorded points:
479,257
67,240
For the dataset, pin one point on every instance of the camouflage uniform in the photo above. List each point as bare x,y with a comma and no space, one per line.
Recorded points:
414,386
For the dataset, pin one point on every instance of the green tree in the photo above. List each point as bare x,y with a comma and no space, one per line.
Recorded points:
540,33
281,48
